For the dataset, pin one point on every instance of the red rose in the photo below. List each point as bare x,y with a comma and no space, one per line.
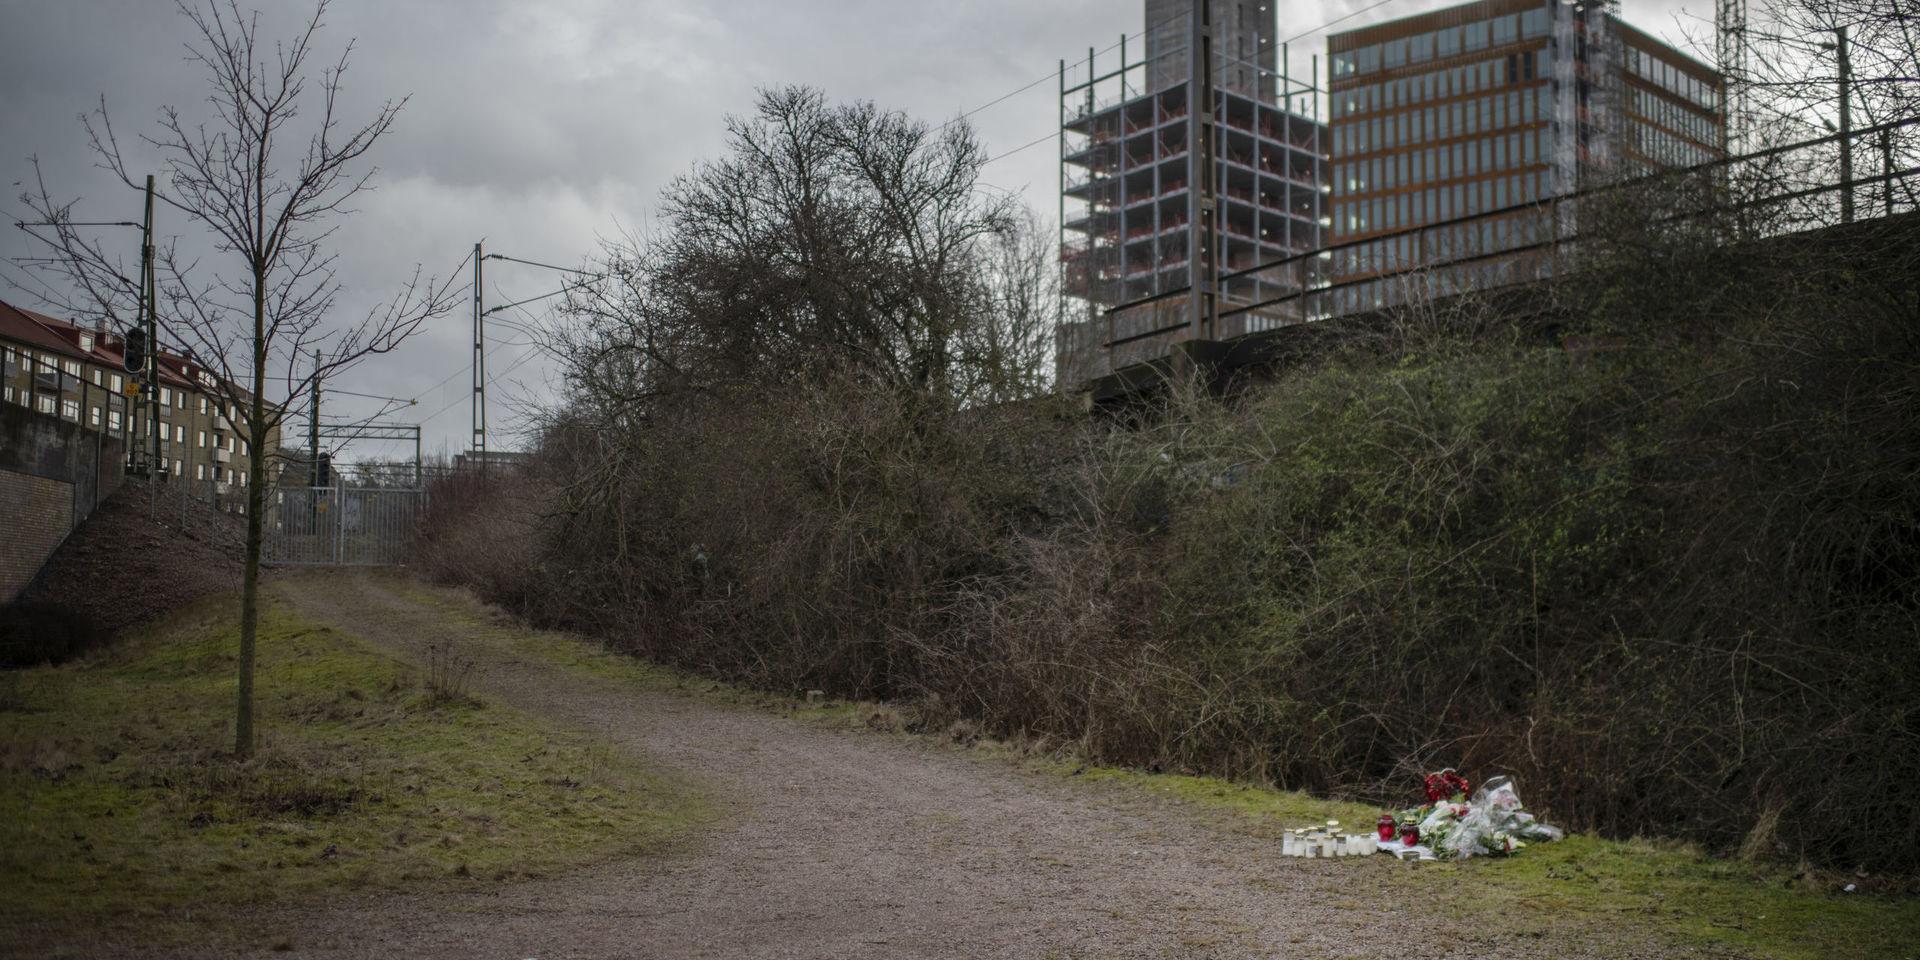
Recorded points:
1445,785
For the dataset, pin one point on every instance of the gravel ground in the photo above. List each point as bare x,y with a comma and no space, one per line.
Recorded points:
847,844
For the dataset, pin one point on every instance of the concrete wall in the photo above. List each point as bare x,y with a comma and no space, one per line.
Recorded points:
53,472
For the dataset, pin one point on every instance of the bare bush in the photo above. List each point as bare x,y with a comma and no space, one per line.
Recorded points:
449,673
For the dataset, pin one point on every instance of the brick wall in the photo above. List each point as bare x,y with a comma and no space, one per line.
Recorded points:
37,514
53,472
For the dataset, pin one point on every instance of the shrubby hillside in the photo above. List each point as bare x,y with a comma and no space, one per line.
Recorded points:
1649,540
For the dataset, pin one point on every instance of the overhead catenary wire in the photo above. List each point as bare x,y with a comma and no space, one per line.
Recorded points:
521,303
495,378
536,263
468,366
1043,138
335,391
1340,20
1052,74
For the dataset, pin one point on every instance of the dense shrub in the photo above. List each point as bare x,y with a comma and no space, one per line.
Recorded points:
1651,542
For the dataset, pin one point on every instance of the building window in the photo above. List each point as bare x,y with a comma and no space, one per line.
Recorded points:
93,418
70,409
119,382
202,441
203,406
179,433
199,471
46,404
177,471
113,420
166,397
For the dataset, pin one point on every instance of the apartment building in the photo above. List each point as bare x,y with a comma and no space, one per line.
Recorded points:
77,373
1489,108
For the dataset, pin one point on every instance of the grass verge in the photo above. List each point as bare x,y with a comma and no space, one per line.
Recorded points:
1671,891
120,811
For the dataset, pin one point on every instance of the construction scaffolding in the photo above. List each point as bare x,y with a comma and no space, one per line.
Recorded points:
1156,200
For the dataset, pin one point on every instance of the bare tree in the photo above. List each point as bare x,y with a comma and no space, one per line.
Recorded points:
841,238
266,175
1796,82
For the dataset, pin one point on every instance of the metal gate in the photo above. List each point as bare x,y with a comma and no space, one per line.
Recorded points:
345,526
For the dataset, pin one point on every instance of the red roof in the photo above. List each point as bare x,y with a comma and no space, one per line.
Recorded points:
43,332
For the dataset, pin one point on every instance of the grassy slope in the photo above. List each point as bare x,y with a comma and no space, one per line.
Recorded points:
1671,890
116,806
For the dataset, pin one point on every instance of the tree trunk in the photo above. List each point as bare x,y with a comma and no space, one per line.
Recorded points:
256,531
249,611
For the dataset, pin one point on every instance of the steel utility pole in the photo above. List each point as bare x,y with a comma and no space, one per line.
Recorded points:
1730,50
1200,171
153,329
144,319
313,428
1886,167
1846,127
479,444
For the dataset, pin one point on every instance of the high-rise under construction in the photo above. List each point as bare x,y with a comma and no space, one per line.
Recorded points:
1143,215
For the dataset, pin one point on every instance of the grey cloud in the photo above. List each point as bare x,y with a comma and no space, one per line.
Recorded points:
542,124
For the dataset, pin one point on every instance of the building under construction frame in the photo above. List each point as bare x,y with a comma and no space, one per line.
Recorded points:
1155,200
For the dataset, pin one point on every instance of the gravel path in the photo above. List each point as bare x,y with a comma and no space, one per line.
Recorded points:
852,845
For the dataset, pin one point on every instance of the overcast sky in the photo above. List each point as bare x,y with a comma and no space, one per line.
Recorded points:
541,125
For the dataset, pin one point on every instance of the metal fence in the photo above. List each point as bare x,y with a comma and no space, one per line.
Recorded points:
1776,191
342,526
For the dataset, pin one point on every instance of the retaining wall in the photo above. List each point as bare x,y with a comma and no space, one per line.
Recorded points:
53,473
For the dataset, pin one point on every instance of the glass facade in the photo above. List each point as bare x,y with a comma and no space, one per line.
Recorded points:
1449,129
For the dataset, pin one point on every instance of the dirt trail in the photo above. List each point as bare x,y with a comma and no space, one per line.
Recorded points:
845,844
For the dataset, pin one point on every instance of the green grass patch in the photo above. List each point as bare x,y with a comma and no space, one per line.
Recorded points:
1277,809
591,657
120,805
1671,890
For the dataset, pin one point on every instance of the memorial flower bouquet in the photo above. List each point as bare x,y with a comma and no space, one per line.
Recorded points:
1492,823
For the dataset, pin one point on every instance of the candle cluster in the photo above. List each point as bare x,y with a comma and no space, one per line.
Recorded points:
1327,840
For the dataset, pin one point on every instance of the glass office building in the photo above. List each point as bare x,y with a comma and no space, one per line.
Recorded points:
1490,108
